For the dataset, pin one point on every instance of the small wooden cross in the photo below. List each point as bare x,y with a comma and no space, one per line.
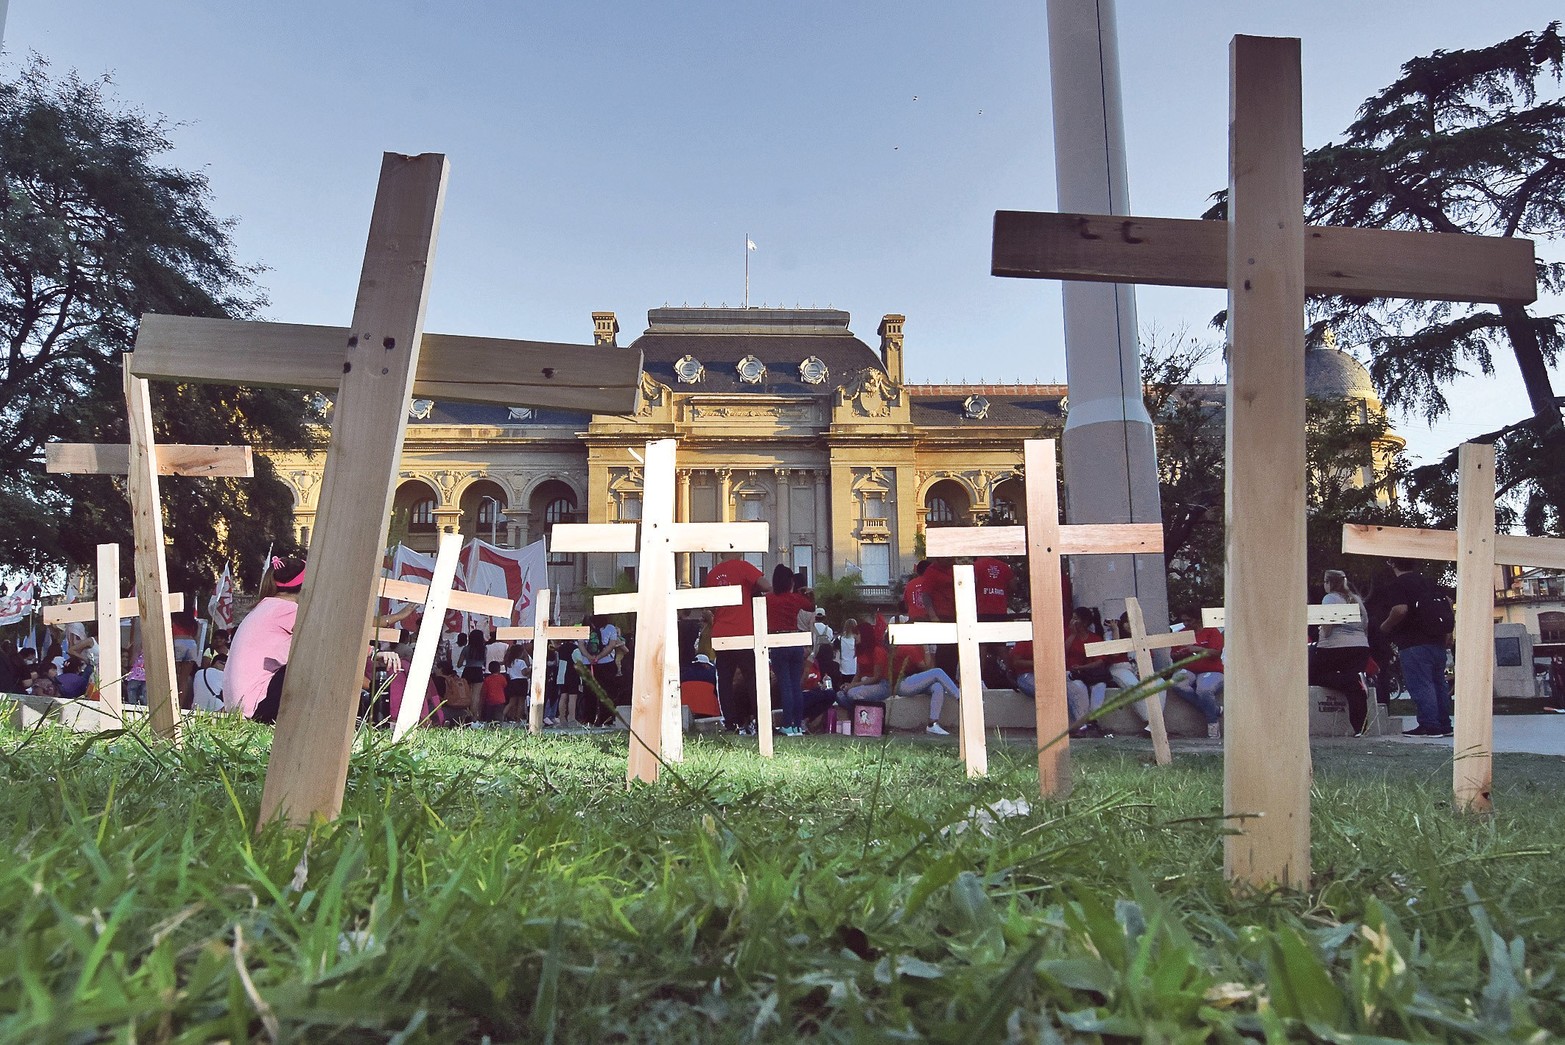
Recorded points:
1142,645
107,610
1268,259
372,367
1043,540
967,632
654,710
540,635
1476,549
141,462
762,642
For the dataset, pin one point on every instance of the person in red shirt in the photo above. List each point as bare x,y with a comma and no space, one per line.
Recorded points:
915,598
492,692
783,606
736,668
993,578
940,586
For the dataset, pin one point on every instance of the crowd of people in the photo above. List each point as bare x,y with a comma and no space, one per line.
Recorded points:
478,679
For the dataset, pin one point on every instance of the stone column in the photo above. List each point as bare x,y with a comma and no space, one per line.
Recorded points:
1109,450
682,514
825,536
783,517
448,520
725,488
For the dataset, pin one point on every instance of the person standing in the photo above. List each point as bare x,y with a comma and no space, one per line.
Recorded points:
1421,647
783,607
736,668
1338,658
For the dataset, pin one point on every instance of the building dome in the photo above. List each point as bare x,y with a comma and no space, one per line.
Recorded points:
1330,373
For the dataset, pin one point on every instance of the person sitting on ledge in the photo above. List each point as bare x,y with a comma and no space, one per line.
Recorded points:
1201,683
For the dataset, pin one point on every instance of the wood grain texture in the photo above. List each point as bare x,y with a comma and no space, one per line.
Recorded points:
1052,715
173,459
111,668
971,741
82,612
1144,645
451,368
1440,545
655,686
436,599
399,590
1336,613
1184,252
150,567
375,364
1473,761
1266,739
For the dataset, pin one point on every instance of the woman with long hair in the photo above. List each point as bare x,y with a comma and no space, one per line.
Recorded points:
263,642
475,664
1338,659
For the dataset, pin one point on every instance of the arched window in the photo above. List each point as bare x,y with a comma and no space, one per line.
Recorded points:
421,516
946,504
940,511
559,510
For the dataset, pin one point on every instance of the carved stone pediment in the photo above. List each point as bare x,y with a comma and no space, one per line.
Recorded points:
869,393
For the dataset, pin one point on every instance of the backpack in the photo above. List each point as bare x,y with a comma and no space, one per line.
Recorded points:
1433,613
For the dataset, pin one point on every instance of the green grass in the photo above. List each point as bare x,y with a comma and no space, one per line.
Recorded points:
492,884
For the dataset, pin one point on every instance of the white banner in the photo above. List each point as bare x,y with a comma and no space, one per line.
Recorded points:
221,608
516,574
19,604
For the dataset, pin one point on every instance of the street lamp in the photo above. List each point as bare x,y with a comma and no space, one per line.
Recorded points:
496,518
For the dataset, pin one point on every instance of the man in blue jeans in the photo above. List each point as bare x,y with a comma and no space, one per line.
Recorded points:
1420,649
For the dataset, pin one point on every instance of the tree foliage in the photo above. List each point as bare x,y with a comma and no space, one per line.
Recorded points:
1355,472
1465,142
96,230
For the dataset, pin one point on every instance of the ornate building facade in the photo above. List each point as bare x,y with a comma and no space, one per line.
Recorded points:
782,415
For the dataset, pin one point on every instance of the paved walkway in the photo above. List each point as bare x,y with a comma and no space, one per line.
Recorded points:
1532,734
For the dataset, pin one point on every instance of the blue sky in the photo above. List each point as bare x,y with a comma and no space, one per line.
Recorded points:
611,155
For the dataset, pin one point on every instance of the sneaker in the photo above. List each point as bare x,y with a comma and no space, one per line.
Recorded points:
1421,731
937,729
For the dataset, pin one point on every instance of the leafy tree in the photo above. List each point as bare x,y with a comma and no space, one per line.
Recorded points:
1465,142
94,231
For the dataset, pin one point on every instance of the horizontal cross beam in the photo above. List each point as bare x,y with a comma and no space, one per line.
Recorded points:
450,367
1334,613
81,612
464,601
679,599
1076,539
1406,542
172,459
1184,252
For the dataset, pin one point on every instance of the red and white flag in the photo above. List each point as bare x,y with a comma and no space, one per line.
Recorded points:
19,604
221,607
517,574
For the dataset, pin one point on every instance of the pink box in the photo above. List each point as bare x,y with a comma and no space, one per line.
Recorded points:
869,718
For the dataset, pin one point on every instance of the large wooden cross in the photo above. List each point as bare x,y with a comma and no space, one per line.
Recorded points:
966,632
1043,540
372,367
540,635
1268,259
655,710
142,461
107,609
1476,549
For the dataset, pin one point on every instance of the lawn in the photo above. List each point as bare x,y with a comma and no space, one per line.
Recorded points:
487,884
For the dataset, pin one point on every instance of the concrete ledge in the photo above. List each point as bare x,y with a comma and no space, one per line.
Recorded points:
1003,709
1180,718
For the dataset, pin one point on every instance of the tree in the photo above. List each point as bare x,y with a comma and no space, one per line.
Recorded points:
1355,472
95,231
1461,143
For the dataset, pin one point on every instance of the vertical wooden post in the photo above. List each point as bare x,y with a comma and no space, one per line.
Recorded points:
655,618
763,678
1048,646
1266,744
146,507
1473,760
537,679
429,634
309,764
1144,669
973,744
110,666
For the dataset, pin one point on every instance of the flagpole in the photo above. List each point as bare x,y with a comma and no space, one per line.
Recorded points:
746,270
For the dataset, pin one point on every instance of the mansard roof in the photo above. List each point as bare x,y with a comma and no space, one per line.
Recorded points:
780,338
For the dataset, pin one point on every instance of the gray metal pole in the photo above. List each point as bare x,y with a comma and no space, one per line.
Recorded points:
5,5
1109,448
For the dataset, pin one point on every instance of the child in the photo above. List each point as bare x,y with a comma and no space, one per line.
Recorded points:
492,693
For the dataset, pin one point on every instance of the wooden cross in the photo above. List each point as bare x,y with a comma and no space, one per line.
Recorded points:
1142,645
107,610
141,462
966,632
1043,540
540,634
1268,259
1476,549
372,367
655,711
762,642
